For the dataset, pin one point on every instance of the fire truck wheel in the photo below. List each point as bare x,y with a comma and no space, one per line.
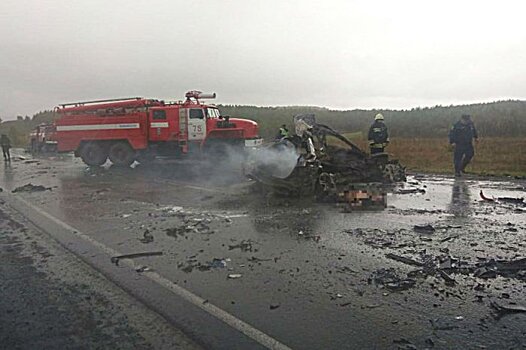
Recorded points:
121,154
93,154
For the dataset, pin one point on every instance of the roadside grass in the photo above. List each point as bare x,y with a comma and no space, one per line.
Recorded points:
493,155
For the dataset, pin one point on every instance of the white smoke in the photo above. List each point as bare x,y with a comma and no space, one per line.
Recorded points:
277,161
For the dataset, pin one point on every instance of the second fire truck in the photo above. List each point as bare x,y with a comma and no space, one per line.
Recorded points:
125,130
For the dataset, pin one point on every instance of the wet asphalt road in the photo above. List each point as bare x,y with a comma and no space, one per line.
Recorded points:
52,300
308,271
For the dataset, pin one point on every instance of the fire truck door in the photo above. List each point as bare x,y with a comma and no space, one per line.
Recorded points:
196,124
159,130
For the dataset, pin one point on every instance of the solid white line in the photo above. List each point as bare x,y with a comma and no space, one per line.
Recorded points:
97,127
243,327
203,189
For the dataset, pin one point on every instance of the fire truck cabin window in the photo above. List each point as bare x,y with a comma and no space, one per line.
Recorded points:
157,115
196,114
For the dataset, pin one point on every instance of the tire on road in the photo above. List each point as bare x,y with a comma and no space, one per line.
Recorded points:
93,153
121,154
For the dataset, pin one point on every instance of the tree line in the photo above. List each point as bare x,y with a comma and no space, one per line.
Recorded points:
494,119
502,118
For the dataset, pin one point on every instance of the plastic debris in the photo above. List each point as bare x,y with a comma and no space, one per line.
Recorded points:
234,275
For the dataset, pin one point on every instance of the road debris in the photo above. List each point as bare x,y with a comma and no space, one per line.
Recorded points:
449,238
115,260
192,264
410,190
142,269
218,263
147,237
191,224
442,265
274,306
389,279
403,259
234,275
31,188
509,200
424,228
244,246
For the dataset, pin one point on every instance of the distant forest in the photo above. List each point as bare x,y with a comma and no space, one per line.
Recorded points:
502,118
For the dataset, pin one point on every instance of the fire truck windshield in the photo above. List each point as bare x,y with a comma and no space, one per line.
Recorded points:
212,113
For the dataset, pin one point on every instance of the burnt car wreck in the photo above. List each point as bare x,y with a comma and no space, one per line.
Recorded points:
318,161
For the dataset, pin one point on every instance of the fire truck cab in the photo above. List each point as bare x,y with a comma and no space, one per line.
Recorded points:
42,139
125,130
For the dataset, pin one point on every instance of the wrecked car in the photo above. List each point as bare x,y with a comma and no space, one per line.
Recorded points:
318,161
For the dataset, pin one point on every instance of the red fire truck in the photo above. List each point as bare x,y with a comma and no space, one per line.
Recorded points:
129,129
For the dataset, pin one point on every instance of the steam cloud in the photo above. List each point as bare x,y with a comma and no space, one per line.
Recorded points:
278,161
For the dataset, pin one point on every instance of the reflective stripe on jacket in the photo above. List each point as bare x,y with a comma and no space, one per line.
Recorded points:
283,132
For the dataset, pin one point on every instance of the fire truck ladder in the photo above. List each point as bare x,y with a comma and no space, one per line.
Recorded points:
82,103
183,129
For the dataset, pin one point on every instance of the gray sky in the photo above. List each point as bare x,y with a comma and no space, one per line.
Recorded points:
338,54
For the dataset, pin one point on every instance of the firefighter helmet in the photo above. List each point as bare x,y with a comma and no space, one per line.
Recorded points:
379,116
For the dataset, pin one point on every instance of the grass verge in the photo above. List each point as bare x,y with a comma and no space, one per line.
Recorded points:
493,155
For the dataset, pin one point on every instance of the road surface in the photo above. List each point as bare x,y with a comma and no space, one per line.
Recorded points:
234,269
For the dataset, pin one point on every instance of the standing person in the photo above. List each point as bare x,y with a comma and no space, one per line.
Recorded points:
462,135
378,135
283,132
5,142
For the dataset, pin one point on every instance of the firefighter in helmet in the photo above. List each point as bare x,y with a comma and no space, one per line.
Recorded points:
378,135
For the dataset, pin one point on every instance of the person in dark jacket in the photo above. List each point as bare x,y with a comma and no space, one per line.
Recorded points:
378,135
462,135
5,142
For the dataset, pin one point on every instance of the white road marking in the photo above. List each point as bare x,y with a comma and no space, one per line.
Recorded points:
243,327
203,188
97,127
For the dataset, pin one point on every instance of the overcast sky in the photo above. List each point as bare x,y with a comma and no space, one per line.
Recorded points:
339,54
